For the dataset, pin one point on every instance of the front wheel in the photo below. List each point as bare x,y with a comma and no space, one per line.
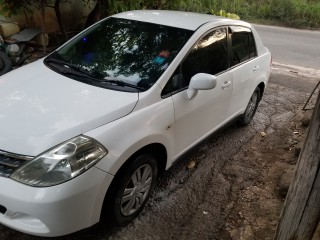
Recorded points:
251,108
131,189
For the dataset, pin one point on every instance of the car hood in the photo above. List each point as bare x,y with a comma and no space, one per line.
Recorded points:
40,108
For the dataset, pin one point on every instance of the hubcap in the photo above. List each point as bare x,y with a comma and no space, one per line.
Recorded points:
137,190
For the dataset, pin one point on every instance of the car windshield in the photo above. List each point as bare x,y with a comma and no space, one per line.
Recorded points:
120,50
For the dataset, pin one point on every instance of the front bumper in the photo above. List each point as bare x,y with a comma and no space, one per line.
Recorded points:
57,210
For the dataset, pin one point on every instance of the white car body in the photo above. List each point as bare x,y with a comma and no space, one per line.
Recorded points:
40,108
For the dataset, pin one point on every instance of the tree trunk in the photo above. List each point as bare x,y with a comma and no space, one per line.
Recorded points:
59,18
94,15
43,25
301,212
26,17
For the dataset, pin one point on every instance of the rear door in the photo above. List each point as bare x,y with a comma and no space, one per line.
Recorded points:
197,117
245,67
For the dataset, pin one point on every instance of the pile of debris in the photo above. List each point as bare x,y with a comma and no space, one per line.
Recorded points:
17,47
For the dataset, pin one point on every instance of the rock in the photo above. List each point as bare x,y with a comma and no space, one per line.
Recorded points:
305,121
286,180
8,29
286,148
244,233
274,222
191,164
263,134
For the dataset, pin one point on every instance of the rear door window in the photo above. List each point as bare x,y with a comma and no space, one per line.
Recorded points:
243,45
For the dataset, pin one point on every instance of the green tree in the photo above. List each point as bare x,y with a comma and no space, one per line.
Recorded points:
104,8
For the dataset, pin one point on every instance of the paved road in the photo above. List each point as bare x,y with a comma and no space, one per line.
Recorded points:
292,46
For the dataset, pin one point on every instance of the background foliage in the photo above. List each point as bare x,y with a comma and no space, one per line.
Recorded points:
294,13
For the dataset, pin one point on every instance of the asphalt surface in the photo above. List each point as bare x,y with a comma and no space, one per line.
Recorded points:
193,203
292,46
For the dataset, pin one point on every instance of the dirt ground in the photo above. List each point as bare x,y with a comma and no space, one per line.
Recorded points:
237,188
256,173
231,186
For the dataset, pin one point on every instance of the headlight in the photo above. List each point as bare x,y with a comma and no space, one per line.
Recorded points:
61,163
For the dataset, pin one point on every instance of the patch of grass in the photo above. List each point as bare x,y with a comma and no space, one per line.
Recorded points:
293,13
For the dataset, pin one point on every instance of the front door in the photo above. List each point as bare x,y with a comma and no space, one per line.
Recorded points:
196,118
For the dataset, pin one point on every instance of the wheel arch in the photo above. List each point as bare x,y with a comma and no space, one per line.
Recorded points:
261,86
158,150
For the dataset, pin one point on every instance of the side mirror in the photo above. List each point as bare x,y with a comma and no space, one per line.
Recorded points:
201,81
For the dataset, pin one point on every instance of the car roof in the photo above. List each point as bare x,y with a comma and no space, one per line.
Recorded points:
186,20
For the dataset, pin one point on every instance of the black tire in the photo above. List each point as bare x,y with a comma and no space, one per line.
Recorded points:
251,109
118,208
5,63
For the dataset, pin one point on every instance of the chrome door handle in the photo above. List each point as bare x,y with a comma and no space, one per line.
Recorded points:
255,68
226,84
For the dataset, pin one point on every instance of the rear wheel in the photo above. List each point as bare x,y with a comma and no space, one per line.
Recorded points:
131,189
5,63
251,108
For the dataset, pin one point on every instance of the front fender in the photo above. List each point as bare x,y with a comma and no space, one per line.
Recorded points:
127,135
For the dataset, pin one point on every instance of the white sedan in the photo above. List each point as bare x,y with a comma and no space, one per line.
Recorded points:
85,132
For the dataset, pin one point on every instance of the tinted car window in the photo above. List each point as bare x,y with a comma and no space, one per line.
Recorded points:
174,84
252,46
243,47
131,51
209,55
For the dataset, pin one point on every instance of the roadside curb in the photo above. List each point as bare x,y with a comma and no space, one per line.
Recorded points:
295,70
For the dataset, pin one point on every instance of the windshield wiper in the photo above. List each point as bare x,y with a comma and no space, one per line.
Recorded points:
69,69
121,83
73,67
74,70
